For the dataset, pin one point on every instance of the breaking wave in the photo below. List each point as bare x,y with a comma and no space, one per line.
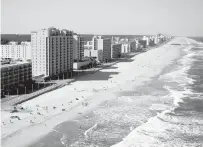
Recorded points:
182,124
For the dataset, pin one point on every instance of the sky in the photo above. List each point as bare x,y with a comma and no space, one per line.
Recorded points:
119,17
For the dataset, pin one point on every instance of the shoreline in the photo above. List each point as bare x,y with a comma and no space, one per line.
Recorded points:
76,125
94,99
159,130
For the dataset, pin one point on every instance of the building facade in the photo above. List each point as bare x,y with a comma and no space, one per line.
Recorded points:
16,51
125,48
147,39
143,43
52,52
106,49
88,45
78,47
133,46
13,74
116,51
100,48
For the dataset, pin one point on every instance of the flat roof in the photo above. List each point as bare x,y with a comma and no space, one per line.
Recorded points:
15,64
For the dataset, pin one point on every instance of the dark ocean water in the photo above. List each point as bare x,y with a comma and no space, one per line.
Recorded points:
200,39
87,37
168,111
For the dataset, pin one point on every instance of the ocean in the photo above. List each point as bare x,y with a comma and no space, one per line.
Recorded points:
87,37
167,111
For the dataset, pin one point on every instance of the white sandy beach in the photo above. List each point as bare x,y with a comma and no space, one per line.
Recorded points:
46,111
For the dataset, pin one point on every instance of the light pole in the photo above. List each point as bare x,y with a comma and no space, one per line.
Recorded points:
17,92
38,86
32,87
25,89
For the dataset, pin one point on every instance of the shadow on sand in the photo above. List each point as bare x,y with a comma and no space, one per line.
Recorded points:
125,60
111,67
99,75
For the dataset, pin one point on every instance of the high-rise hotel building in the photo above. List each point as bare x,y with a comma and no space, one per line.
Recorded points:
101,47
52,52
78,47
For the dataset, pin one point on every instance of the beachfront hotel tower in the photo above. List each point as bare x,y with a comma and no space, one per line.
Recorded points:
78,47
116,51
102,48
52,52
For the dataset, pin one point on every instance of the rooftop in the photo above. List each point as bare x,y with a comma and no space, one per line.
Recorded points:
12,63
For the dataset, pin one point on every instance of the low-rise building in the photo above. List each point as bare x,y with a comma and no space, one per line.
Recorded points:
78,65
97,54
15,73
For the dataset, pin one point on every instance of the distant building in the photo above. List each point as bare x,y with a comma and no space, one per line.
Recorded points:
52,52
138,45
106,49
115,40
87,53
79,65
16,51
98,54
147,39
99,47
15,73
143,43
133,46
88,45
78,47
151,41
125,47
116,51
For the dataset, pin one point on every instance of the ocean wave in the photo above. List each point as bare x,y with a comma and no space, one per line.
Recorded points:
180,124
89,132
165,129
180,73
178,76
